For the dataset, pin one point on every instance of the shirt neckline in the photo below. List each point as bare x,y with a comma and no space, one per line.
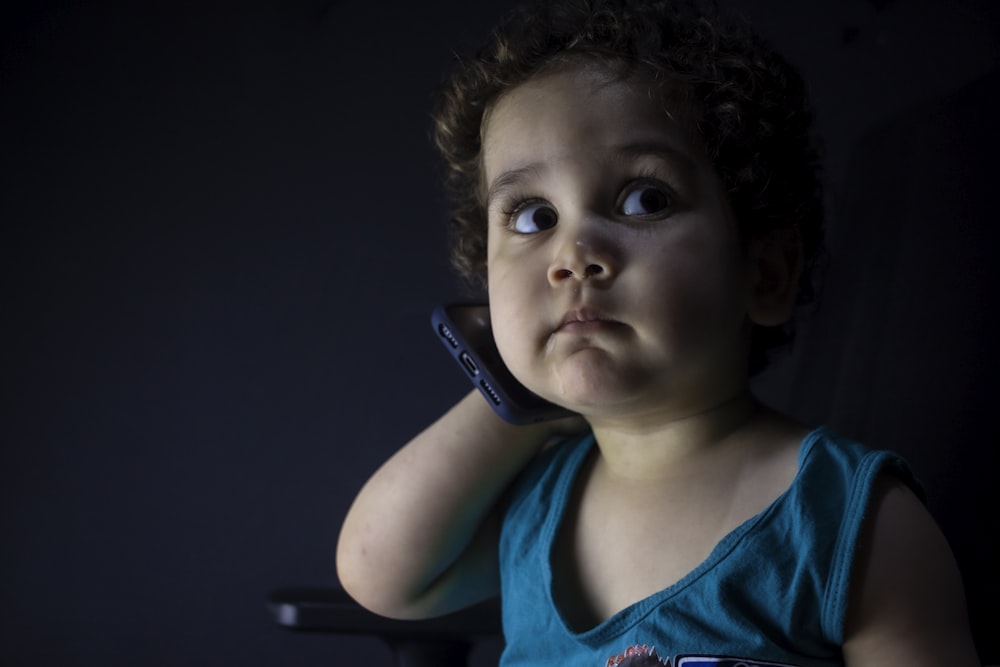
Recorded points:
626,618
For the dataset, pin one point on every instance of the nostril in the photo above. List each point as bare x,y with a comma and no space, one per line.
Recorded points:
589,271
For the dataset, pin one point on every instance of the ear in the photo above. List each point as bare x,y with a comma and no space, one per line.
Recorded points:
775,266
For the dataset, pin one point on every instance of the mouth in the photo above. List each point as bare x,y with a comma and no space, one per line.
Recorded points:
585,320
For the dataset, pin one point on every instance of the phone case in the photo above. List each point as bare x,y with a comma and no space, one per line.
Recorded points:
464,330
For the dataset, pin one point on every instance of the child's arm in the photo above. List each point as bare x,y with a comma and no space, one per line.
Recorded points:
907,604
421,537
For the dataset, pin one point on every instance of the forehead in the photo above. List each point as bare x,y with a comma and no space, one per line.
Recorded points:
582,109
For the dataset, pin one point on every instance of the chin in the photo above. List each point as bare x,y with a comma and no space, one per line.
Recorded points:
592,377
590,396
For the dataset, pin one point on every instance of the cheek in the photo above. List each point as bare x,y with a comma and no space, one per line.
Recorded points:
514,314
691,284
509,334
499,290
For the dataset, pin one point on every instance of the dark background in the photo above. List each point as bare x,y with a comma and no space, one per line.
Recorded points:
222,237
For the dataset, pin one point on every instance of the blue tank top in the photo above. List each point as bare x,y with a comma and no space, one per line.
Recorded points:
772,592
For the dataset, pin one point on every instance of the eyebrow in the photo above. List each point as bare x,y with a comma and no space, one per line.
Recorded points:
659,149
511,179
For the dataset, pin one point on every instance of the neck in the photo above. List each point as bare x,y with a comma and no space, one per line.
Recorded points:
675,445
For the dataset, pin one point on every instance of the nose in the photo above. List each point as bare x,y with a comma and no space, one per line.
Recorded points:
584,255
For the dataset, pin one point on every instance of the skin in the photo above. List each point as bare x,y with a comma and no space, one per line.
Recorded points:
620,288
633,314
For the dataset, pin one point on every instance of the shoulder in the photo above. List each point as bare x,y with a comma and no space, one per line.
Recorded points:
906,603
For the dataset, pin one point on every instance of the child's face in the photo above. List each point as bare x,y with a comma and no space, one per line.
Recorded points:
617,281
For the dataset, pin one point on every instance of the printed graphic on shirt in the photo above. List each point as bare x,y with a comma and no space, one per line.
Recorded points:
637,656
644,655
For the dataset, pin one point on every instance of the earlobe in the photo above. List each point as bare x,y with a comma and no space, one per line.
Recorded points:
776,264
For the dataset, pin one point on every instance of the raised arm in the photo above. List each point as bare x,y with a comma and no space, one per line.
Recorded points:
421,537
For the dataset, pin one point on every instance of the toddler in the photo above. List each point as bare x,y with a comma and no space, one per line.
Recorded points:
636,189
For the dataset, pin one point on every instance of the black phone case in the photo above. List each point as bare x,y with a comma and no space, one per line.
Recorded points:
465,331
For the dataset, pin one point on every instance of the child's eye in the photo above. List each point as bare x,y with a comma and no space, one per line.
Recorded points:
646,200
532,218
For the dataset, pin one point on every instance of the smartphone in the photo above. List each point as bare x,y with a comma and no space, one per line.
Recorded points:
465,331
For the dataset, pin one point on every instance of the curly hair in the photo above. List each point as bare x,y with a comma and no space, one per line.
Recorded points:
750,109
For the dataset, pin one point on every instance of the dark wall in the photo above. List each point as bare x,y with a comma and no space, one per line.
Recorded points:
222,238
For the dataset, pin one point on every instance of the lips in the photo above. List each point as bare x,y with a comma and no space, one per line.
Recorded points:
585,319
